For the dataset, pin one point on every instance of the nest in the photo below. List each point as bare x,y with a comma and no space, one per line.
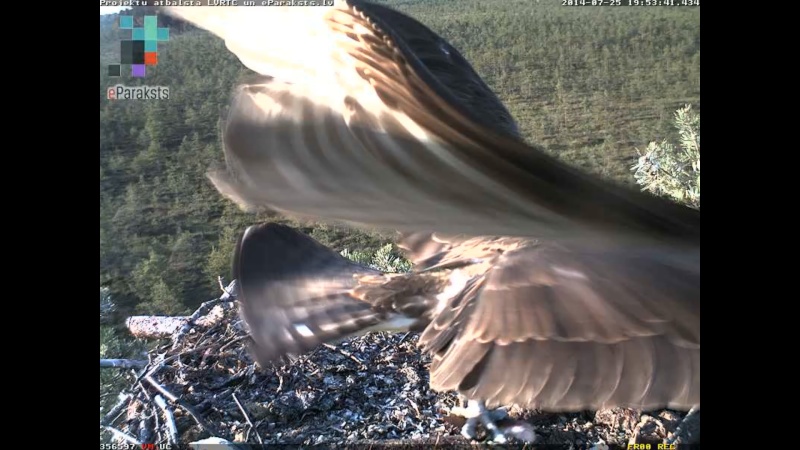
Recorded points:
371,389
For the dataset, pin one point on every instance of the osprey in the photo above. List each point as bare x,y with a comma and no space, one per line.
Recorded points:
534,283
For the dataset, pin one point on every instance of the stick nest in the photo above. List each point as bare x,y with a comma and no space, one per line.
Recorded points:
369,390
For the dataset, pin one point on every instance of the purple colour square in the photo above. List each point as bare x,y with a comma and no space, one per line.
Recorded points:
137,70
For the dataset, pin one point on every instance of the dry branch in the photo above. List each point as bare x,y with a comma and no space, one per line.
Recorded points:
177,401
247,418
169,419
154,327
120,435
175,327
122,363
345,353
228,295
109,418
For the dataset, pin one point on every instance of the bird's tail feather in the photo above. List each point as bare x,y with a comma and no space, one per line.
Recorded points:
295,293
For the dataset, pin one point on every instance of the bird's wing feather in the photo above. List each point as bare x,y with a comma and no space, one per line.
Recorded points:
384,136
295,293
558,328
295,39
366,121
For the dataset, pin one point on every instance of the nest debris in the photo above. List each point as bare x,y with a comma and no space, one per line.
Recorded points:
370,390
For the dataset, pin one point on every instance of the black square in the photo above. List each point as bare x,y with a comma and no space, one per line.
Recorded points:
132,52
114,70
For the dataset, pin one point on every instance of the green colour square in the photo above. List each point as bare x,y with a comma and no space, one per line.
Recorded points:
163,34
151,22
126,22
137,34
151,46
150,34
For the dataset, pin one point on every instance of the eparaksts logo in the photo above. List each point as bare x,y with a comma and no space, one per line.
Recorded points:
120,92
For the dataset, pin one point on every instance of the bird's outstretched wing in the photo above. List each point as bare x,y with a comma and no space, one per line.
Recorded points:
507,320
372,118
564,328
295,293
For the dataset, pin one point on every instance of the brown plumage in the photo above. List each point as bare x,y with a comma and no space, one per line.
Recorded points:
551,289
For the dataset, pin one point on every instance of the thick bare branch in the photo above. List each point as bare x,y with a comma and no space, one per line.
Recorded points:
122,363
169,419
120,435
108,419
198,418
154,327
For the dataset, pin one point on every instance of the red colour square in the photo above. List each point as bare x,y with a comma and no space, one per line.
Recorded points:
150,58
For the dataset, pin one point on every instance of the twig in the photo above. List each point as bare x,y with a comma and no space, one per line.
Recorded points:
212,331
157,422
679,431
345,353
157,366
229,292
228,295
414,405
121,435
247,418
402,339
231,342
109,418
122,363
177,401
145,435
172,397
209,402
169,418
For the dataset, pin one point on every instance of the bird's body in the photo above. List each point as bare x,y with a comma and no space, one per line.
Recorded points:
550,288
497,314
